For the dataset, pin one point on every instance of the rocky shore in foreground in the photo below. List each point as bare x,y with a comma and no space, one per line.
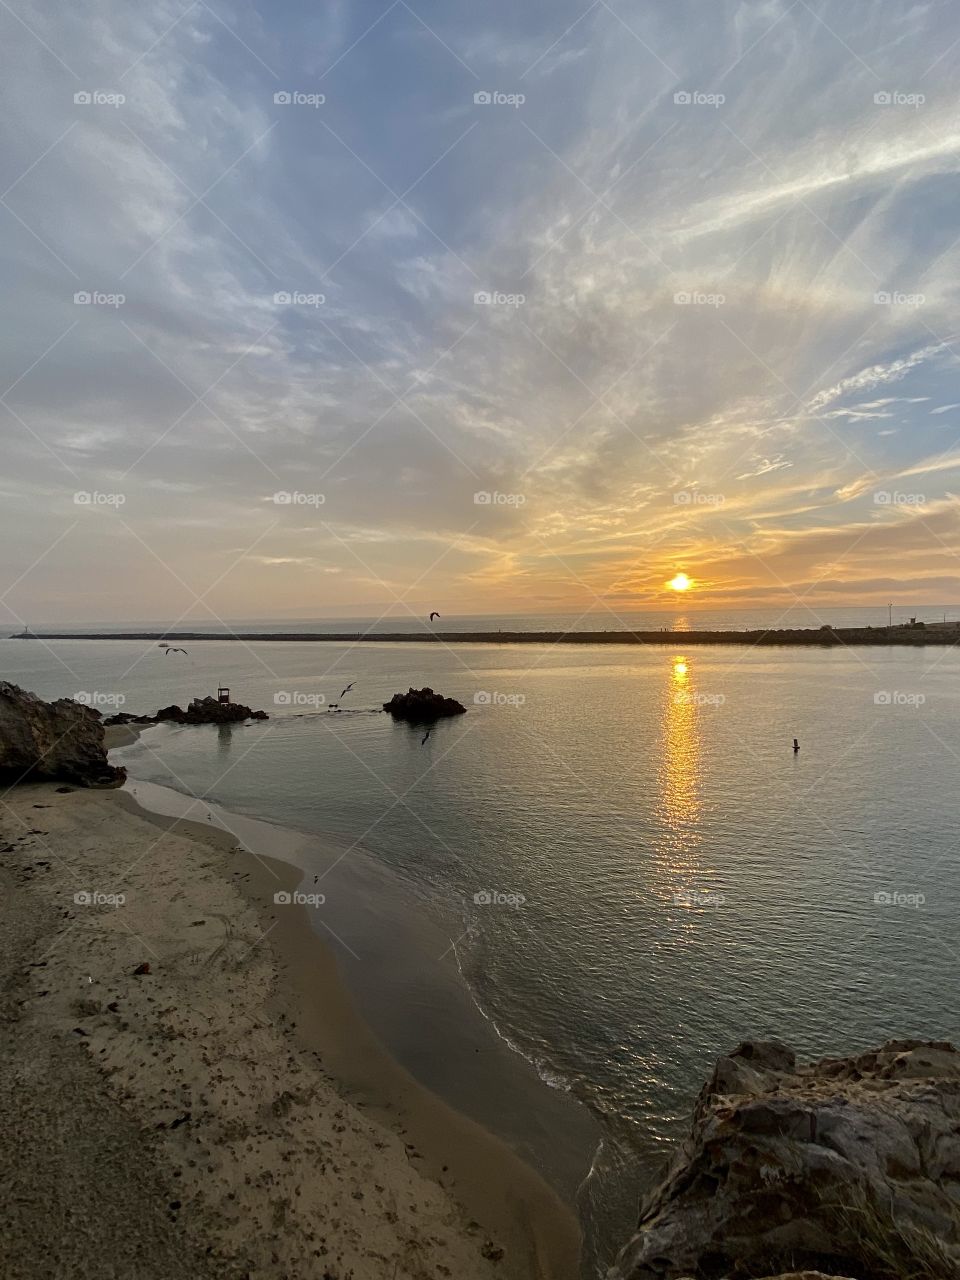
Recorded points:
847,1167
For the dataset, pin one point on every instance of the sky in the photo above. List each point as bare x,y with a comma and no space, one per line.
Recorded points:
341,308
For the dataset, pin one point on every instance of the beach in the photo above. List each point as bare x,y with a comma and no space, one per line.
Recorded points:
195,1083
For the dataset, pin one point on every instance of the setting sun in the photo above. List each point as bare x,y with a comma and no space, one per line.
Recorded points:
680,583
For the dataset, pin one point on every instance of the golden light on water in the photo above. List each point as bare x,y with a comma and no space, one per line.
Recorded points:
680,582
679,667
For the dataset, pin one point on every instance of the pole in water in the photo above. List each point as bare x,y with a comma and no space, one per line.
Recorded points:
796,744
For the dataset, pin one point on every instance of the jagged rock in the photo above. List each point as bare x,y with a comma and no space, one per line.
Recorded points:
422,706
200,711
848,1165
62,740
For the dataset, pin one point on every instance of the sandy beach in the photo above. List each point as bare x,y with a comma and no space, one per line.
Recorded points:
189,1091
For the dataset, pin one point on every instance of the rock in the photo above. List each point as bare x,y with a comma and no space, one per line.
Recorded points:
209,711
62,740
200,711
141,969
422,706
849,1166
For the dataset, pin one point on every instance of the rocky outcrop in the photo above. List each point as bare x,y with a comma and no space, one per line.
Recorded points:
200,711
849,1166
422,706
62,740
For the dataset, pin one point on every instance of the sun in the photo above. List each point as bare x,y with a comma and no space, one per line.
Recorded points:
680,583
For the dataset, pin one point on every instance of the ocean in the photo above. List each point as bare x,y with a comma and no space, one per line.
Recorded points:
633,866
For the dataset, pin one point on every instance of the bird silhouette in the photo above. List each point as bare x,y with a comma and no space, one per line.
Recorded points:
348,688
425,736
172,649
434,615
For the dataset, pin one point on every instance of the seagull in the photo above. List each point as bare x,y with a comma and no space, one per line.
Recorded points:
425,736
172,649
348,688
434,615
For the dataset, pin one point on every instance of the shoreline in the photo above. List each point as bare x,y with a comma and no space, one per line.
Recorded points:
823,637
227,1020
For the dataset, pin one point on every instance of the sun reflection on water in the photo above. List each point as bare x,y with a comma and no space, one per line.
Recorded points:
680,777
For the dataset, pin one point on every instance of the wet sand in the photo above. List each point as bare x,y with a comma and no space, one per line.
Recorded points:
237,1146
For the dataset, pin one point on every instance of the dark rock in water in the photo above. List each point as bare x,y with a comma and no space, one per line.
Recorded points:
422,706
209,711
847,1166
62,740
200,711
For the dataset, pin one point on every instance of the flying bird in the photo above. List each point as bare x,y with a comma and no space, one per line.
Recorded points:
425,736
172,649
348,688
434,615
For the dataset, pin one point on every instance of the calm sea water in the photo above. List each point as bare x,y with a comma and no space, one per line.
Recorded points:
637,869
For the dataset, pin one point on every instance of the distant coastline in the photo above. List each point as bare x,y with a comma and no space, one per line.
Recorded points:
827,636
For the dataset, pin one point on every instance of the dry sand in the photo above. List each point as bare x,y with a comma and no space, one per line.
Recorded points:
225,1113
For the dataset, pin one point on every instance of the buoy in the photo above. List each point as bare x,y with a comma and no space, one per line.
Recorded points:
796,744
